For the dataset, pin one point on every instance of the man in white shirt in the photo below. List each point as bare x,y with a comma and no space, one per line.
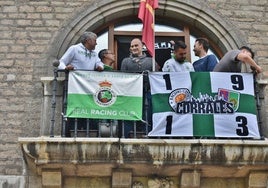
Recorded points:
178,63
82,56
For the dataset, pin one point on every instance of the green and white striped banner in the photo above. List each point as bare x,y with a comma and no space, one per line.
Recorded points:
209,104
104,95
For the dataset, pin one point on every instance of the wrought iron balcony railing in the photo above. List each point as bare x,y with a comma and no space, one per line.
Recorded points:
85,127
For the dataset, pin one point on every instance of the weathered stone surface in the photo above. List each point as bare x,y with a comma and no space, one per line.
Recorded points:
51,178
146,156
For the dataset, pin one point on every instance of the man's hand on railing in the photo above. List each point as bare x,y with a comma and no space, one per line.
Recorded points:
69,67
99,68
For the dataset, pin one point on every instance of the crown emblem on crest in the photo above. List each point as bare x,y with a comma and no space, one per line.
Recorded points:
105,84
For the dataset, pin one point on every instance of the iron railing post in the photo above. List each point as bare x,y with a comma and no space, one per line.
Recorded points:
146,102
258,104
64,103
53,101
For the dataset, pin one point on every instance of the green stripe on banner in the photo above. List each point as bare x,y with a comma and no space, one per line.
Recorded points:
249,104
202,124
160,103
84,106
200,82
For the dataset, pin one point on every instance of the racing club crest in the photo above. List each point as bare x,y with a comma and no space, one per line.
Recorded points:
105,96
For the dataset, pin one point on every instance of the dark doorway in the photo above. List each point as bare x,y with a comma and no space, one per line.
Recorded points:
163,48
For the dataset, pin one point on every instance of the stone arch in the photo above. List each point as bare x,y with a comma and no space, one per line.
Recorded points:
196,14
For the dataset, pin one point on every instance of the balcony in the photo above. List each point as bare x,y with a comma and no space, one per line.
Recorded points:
185,161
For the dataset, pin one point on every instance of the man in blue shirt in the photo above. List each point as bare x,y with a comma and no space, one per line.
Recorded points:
205,63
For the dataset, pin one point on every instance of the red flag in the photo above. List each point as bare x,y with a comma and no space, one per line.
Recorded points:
146,14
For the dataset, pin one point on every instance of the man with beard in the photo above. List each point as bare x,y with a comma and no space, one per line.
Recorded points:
205,63
178,63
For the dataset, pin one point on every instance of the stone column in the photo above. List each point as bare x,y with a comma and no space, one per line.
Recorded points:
46,108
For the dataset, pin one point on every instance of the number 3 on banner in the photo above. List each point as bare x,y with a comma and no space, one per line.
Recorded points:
242,123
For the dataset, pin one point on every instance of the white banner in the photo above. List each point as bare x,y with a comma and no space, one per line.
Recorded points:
208,104
105,95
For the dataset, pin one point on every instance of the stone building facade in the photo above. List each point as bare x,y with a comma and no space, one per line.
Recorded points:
34,33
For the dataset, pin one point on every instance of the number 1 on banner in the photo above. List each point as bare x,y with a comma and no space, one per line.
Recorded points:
168,82
169,124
